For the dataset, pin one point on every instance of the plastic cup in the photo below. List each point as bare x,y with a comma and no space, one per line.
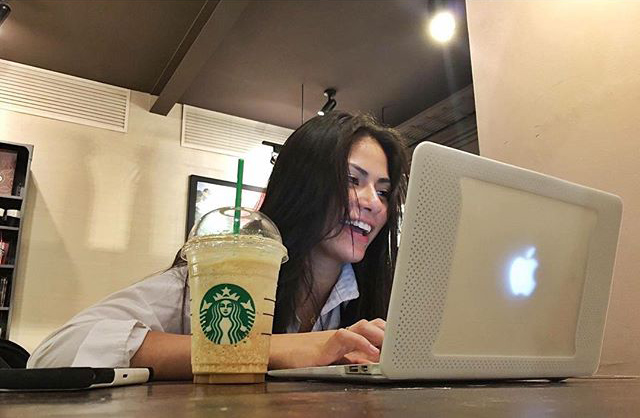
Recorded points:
232,279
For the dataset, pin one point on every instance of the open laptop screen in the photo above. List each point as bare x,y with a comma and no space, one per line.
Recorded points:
517,274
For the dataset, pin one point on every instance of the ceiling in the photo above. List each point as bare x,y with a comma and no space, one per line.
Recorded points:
264,60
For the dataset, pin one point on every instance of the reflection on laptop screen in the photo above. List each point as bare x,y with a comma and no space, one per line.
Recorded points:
517,274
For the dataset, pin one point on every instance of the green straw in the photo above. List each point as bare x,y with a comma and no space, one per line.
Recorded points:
236,214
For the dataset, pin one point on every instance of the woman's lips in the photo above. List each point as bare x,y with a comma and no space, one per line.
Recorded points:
357,235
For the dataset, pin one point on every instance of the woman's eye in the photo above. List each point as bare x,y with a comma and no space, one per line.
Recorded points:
353,180
383,193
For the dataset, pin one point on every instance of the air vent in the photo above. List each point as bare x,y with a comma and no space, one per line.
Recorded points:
225,134
58,96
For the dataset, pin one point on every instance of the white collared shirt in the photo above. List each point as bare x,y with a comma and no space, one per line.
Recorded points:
110,332
345,290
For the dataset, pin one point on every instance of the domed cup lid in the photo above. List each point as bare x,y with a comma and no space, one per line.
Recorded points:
219,225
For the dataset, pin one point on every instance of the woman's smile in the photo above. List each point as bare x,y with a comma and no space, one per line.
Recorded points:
368,192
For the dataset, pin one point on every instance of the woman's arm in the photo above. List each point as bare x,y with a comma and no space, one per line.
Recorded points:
358,343
109,333
170,354
318,348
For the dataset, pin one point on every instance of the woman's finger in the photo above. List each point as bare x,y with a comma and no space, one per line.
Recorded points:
370,331
354,357
344,342
379,322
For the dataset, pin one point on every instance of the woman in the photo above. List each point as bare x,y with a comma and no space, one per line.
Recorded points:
335,194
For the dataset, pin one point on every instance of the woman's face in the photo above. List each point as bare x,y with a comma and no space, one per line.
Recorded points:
369,190
225,307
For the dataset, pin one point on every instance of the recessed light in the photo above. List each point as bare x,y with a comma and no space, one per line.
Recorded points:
442,26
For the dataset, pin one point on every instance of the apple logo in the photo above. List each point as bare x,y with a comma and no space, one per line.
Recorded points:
521,274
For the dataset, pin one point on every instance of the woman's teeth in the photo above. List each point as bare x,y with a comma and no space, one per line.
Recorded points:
363,227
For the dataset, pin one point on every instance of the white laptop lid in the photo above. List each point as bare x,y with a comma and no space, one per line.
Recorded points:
510,271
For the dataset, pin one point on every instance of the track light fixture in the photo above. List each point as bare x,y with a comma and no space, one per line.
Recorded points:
331,102
4,11
274,152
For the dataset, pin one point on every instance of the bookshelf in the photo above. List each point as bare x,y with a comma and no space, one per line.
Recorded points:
15,164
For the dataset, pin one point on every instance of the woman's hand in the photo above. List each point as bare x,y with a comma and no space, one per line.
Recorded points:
373,331
358,343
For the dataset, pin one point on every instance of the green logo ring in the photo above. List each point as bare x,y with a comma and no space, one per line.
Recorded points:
227,314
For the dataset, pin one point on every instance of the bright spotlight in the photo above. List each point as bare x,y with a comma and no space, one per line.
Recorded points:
442,26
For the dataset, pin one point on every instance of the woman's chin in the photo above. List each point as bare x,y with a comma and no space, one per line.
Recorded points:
347,247
354,255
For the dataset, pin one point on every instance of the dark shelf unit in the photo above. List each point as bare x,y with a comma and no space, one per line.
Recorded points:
9,228
13,234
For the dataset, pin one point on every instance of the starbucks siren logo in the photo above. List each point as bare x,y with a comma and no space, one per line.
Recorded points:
227,314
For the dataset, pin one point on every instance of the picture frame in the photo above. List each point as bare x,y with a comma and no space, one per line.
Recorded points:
8,161
206,194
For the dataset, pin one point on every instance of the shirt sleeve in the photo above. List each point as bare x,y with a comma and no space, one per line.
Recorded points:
109,333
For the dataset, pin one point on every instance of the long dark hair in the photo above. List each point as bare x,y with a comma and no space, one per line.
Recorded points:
309,186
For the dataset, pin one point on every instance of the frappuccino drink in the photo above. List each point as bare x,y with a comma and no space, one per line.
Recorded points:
232,279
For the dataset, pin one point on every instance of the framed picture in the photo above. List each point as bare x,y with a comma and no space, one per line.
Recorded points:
206,194
8,159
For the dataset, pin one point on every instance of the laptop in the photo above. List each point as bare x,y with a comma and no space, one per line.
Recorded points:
502,273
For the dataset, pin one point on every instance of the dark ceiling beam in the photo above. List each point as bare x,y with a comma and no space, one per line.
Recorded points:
196,26
205,35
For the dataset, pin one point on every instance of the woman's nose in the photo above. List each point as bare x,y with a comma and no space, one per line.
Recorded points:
369,199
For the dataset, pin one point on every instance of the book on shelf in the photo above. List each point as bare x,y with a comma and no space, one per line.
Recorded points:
4,252
4,284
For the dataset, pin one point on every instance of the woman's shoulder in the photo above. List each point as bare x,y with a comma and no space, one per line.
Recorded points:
174,277
178,273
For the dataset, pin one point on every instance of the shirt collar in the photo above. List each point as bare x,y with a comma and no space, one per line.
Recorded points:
345,289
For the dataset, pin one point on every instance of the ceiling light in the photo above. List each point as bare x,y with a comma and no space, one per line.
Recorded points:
331,102
274,152
4,11
442,26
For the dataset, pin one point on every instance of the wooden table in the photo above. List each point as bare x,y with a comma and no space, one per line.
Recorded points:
574,398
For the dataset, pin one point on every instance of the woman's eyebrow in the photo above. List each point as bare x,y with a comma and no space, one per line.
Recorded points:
365,173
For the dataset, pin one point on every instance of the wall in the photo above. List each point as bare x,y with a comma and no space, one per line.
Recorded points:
557,90
104,209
